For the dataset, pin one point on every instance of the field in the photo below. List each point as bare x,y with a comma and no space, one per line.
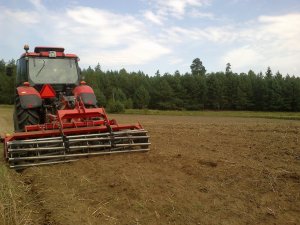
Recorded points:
200,170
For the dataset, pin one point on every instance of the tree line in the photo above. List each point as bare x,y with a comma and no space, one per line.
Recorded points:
7,90
195,90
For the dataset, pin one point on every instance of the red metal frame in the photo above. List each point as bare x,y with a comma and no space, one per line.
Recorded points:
25,90
80,120
82,88
68,131
43,51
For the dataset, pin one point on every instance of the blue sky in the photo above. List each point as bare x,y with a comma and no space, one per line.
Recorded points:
167,35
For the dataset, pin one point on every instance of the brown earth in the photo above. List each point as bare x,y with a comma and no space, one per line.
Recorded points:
200,170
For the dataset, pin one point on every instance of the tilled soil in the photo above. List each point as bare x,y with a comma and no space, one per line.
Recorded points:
200,170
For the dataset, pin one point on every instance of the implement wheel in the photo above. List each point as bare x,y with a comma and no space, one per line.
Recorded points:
23,117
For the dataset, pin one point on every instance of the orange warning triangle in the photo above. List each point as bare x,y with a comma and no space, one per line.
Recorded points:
47,91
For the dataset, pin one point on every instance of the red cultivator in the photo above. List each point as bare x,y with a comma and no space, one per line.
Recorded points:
73,133
62,122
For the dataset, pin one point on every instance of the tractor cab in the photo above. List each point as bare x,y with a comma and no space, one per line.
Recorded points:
48,65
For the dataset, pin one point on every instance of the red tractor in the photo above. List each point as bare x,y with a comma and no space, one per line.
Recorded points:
57,118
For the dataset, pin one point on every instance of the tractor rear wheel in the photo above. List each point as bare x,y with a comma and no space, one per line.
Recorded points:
23,117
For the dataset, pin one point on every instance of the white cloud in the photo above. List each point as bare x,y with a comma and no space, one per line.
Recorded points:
110,38
176,8
272,41
198,14
175,61
267,41
141,52
155,18
100,28
9,16
242,57
17,26
164,10
119,39
95,35
37,4
213,34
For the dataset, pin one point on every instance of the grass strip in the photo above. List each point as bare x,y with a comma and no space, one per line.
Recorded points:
245,114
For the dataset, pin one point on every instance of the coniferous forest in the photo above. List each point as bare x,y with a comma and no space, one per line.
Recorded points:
197,90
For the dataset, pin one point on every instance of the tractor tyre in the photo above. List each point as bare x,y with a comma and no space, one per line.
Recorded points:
23,117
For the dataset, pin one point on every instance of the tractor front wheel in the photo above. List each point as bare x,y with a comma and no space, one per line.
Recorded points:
23,117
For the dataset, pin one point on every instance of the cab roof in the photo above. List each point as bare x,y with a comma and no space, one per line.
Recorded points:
43,51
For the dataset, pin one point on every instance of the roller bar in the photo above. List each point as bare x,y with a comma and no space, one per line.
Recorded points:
53,150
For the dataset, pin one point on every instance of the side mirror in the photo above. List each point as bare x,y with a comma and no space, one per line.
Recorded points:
9,71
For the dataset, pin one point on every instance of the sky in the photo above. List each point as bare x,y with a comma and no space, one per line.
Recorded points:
164,35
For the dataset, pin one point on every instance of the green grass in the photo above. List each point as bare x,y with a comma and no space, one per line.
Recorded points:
7,110
6,119
245,114
6,106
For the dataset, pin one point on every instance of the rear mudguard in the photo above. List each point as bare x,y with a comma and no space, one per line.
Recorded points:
29,97
86,93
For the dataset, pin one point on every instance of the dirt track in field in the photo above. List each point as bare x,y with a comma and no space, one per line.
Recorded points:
200,170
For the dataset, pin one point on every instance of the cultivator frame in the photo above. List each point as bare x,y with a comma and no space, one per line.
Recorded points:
73,133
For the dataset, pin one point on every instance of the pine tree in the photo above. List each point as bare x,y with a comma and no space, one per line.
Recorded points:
228,68
214,93
197,67
97,68
141,98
